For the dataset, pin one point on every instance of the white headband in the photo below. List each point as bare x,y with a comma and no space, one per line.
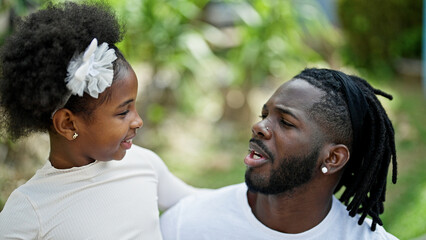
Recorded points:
91,72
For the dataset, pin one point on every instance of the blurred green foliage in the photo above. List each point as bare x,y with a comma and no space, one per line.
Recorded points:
9,9
195,54
407,209
378,33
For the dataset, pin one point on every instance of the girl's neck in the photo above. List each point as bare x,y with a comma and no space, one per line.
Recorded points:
61,163
64,154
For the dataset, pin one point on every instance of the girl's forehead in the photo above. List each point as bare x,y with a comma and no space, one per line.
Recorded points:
126,84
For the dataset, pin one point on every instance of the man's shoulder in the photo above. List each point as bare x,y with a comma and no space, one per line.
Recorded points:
349,225
379,233
215,200
204,215
215,196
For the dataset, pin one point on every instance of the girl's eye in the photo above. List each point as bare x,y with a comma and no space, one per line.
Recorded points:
123,113
263,116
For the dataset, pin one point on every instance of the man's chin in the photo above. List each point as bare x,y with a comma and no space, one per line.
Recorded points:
257,184
260,184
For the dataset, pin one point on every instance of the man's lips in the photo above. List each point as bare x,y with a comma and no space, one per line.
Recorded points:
256,157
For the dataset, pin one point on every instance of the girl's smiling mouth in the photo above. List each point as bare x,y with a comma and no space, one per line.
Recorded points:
127,143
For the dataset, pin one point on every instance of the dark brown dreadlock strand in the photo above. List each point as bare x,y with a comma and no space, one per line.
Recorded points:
365,175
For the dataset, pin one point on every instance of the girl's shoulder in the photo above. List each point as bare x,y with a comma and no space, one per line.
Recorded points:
137,153
141,156
19,218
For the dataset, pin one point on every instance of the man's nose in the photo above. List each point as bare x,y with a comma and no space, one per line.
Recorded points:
262,130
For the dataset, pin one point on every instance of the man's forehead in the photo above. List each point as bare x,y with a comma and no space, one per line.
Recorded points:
297,92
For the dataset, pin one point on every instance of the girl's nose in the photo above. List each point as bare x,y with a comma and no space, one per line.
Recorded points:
137,122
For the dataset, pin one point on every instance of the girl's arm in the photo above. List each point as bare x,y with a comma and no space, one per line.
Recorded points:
170,188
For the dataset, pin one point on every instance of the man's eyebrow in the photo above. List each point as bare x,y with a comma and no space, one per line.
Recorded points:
286,111
125,103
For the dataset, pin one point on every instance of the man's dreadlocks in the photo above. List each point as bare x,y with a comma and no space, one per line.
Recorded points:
365,174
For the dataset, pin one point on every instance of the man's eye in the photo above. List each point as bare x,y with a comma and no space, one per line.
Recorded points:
284,122
263,116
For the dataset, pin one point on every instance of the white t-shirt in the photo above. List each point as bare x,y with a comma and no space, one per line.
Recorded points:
226,214
102,200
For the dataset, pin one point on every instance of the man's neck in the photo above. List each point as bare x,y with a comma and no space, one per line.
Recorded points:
290,213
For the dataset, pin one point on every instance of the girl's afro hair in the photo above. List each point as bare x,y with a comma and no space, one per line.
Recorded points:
34,60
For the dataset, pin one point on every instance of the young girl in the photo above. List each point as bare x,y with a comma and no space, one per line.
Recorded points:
63,74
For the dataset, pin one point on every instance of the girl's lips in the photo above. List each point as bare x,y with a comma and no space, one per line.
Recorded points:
126,144
254,159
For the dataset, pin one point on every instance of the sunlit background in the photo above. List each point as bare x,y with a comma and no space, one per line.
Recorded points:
205,68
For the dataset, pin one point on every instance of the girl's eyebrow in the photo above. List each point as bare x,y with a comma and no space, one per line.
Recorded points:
125,103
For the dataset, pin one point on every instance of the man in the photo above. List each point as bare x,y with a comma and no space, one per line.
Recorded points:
321,132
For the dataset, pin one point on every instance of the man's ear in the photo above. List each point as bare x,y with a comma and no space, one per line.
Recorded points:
64,123
337,156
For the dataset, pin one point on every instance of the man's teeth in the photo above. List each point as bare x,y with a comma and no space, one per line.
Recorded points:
128,141
256,155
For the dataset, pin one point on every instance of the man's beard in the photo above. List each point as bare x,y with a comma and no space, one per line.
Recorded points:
293,172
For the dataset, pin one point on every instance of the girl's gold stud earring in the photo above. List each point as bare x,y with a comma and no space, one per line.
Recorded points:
75,136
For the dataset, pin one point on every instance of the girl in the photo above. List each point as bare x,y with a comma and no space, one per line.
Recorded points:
63,74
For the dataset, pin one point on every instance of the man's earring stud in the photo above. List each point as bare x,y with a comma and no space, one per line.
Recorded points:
75,136
324,170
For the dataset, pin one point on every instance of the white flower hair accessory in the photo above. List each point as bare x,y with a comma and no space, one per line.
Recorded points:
91,71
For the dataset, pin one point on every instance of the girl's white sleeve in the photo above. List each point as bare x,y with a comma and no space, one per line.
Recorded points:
170,188
18,220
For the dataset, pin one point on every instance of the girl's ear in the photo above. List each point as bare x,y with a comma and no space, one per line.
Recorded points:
337,157
64,123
